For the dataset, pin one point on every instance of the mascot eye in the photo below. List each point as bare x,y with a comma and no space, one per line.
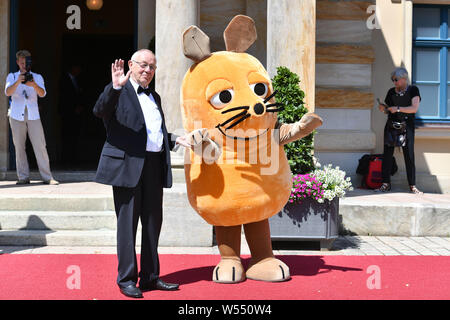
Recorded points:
222,98
260,89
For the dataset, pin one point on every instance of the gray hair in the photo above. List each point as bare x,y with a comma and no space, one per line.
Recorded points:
399,73
138,53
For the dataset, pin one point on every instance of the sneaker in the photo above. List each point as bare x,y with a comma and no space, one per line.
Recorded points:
23,181
52,182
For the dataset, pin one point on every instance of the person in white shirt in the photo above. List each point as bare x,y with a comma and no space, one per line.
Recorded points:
24,118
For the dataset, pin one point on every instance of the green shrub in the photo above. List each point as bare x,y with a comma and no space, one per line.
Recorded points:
289,94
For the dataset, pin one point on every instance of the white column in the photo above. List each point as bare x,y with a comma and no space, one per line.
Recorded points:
291,41
4,63
172,17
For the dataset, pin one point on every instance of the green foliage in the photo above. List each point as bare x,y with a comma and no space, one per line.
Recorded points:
289,94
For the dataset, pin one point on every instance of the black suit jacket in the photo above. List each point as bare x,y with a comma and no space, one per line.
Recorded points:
123,154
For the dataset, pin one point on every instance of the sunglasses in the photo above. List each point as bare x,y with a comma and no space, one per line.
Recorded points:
395,80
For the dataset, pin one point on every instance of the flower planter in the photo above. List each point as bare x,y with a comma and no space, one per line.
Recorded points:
308,220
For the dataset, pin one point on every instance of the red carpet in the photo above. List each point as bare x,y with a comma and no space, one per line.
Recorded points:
47,276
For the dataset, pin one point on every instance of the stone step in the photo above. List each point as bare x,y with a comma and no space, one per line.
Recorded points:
57,220
72,197
396,213
46,213
97,238
56,202
59,238
81,176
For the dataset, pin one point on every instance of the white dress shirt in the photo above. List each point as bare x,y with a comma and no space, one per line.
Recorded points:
153,119
24,97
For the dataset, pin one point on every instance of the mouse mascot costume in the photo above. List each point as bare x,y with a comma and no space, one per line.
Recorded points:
237,173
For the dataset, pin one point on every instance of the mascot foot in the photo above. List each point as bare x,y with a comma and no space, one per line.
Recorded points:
269,269
229,270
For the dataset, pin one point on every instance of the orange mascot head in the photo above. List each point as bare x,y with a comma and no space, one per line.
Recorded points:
230,94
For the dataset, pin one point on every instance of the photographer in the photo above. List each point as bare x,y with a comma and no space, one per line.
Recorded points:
401,103
24,87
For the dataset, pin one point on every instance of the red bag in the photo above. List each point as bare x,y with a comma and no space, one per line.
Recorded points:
374,177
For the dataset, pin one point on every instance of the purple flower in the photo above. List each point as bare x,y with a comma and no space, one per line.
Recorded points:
301,189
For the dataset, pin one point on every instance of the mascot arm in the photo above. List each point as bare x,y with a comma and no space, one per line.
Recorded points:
290,132
203,146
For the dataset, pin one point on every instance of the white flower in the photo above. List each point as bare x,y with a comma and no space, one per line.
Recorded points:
333,181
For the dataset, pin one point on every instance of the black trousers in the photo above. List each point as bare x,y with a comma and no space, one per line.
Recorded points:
408,155
145,202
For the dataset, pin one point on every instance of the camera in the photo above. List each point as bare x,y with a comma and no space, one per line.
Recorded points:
28,75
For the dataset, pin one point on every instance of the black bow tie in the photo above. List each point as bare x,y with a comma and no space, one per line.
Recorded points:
146,91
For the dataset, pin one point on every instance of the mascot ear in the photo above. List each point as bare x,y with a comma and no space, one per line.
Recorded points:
196,44
240,34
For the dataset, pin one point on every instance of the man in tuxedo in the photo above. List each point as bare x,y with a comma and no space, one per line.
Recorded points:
135,160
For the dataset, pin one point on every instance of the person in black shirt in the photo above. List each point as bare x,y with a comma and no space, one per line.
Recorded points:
401,104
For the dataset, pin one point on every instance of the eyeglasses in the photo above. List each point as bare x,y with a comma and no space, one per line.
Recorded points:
144,65
395,80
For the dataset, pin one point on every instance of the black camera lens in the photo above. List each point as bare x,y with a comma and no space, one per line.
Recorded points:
28,77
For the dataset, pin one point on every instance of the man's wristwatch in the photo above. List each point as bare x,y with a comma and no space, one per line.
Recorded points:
398,109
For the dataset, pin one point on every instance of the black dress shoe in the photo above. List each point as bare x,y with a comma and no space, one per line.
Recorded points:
158,284
131,291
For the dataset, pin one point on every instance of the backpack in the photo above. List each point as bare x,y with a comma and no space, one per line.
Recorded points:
370,166
374,177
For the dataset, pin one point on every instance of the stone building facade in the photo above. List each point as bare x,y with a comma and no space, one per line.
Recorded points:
342,50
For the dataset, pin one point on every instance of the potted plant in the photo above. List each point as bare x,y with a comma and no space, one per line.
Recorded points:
299,153
312,211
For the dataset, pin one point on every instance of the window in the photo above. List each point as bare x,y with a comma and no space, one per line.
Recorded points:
431,61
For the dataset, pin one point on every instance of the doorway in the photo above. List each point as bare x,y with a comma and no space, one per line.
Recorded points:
74,136
82,134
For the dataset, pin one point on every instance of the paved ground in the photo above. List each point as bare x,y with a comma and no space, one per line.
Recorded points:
344,245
